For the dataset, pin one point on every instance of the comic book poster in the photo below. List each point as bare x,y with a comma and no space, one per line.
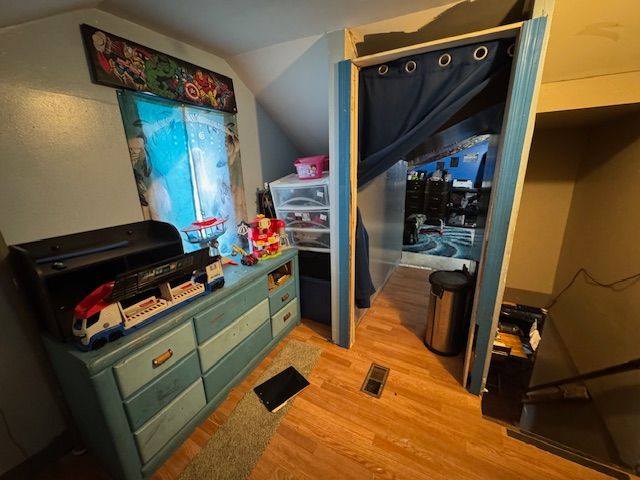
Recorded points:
117,62
186,164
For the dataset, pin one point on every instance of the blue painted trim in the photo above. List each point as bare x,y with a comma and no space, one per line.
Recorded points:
516,120
343,173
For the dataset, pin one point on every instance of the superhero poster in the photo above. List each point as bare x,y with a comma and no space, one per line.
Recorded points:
116,62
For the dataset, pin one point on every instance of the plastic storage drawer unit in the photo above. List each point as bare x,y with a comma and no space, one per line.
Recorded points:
304,207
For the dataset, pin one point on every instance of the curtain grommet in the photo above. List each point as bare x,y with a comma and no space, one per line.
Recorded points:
410,67
444,60
511,50
383,69
480,53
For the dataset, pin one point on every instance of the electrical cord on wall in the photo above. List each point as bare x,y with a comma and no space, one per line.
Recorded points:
11,437
593,281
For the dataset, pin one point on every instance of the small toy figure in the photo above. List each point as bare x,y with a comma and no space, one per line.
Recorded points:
247,258
264,235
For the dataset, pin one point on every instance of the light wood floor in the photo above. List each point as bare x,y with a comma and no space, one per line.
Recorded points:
425,425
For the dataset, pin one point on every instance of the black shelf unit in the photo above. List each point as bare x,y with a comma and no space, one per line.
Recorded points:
315,286
57,273
414,197
436,201
439,201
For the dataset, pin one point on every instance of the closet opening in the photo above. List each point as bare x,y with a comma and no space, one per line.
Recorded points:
565,367
428,210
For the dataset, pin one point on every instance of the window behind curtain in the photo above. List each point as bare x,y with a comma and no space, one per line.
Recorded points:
186,163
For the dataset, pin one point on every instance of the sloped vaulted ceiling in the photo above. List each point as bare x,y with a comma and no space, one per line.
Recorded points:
276,46
291,81
280,50
231,27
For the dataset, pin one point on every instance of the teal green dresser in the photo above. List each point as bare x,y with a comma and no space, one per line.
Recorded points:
137,399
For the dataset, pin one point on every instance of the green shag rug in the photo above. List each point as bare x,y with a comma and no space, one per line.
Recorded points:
233,451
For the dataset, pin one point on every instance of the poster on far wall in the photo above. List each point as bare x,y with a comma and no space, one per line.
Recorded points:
186,164
120,63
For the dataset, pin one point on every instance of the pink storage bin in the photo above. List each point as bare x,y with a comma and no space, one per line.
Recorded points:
309,168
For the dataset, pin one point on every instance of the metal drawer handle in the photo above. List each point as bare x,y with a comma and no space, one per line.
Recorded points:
284,297
163,357
287,316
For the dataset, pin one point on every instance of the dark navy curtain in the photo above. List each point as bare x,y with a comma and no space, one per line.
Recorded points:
404,102
364,287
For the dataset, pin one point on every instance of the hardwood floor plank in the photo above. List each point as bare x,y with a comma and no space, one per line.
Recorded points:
336,359
294,434
323,463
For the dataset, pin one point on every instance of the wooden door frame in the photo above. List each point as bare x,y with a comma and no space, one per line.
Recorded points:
343,276
513,155
345,186
346,168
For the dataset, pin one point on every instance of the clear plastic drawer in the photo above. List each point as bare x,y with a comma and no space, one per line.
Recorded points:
310,239
300,196
317,219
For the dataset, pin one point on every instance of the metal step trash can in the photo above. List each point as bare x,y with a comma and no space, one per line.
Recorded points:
448,311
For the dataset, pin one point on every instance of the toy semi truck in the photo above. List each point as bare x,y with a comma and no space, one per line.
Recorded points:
120,307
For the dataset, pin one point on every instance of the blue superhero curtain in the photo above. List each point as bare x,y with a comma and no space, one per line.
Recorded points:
186,163
406,101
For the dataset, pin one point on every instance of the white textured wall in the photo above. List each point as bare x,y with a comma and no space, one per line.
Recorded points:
64,153
65,168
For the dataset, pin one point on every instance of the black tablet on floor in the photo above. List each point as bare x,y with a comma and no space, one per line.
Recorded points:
275,392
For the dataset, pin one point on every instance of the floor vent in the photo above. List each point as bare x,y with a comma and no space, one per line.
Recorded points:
375,380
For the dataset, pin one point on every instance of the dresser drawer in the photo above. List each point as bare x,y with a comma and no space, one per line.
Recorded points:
214,319
224,371
153,360
161,428
438,187
283,295
438,198
436,210
159,393
414,197
416,185
284,318
223,342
